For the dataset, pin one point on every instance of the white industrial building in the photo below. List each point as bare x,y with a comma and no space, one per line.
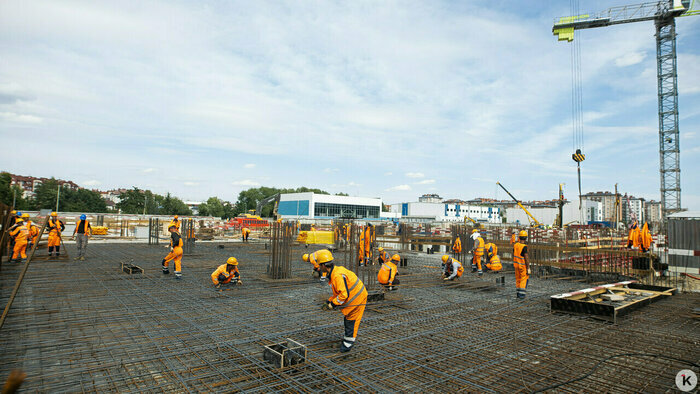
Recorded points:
592,212
323,206
430,211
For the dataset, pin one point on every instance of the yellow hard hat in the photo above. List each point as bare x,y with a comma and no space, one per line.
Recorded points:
396,257
305,257
13,212
177,217
324,256
380,249
18,220
54,213
25,215
232,261
523,234
445,258
475,231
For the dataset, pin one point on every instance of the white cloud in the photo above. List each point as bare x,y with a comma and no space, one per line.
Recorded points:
148,170
630,59
415,175
249,165
246,182
425,182
351,183
329,170
388,174
92,183
398,188
19,118
189,183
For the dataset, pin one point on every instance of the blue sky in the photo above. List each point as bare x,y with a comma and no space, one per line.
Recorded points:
374,98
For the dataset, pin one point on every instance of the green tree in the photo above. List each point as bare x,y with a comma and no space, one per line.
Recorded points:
9,193
170,205
46,193
212,207
132,202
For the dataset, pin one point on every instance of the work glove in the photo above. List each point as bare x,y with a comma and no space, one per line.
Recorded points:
328,306
391,288
218,285
238,282
529,271
445,278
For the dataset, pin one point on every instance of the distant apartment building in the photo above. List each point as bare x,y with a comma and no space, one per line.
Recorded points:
607,200
653,211
430,198
445,212
633,209
29,184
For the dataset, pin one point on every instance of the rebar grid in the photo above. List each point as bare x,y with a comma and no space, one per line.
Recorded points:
89,327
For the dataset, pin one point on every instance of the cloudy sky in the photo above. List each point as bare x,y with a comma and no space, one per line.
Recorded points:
374,98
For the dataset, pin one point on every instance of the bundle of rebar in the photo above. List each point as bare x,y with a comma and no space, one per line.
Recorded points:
281,239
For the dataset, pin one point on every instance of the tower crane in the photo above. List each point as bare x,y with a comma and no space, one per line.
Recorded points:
664,14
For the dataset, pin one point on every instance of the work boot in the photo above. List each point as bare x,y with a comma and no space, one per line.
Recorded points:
178,275
344,349
166,270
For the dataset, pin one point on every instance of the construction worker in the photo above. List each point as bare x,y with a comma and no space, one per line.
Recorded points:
348,293
55,227
311,258
361,248
175,253
175,222
33,231
368,243
452,268
645,239
477,252
383,256
514,237
13,220
387,273
227,273
20,233
457,247
83,231
494,262
633,237
521,265
245,233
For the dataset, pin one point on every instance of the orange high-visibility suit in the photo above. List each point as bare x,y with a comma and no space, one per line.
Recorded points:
350,294
245,231
176,223
453,269
457,247
387,274
478,254
222,275
20,233
494,262
33,233
361,247
633,237
175,254
368,243
514,239
521,276
645,239
312,260
384,257
55,227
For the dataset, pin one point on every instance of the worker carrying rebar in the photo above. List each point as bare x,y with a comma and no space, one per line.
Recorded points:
81,233
477,252
33,231
175,254
493,262
20,234
348,293
55,227
633,237
312,258
387,273
245,233
227,273
175,222
645,239
457,247
452,268
521,264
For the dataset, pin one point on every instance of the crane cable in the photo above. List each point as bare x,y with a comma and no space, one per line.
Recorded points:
577,108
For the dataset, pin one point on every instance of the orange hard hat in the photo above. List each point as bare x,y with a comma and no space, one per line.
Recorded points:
396,257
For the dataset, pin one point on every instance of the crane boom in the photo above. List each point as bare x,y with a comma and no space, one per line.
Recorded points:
520,205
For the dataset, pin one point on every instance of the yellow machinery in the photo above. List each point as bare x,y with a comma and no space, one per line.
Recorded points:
532,218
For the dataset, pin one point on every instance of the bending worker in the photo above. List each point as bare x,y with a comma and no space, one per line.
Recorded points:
387,273
227,273
312,258
245,233
175,253
521,265
83,231
55,227
383,256
348,293
20,233
494,262
477,252
452,268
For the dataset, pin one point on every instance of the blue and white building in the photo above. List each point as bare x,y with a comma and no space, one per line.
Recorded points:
445,212
323,206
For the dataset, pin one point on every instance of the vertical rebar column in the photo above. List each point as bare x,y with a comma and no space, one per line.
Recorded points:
188,235
153,231
281,236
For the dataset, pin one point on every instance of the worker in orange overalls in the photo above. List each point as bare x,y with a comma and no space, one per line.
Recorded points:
361,247
20,233
55,227
311,258
457,247
514,238
477,252
521,265
383,256
175,222
348,293
452,268
633,237
245,233
494,262
227,273
175,253
387,273
13,215
33,231
368,244
645,239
